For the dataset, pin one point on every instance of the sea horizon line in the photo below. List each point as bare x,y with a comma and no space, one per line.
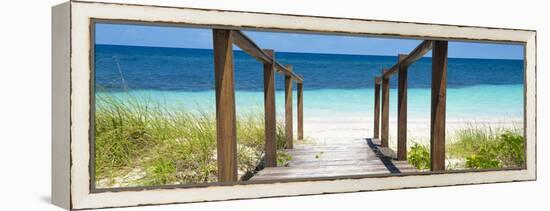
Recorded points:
297,52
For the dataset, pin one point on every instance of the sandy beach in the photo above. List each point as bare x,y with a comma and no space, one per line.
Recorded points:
331,130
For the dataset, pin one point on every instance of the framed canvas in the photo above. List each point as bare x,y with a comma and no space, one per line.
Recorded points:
159,105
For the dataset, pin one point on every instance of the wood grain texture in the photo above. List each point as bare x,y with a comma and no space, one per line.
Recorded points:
251,48
269,113
439,89
376,131
288,110
402,110
300,110
420,50
356,157
385,122
225,106
288,72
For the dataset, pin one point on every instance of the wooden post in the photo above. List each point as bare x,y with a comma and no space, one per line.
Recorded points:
439,89
226,129
288,109
269,113
376,133
402,111
385,112
300,111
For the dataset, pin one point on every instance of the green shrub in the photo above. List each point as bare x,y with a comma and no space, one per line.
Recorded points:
487,147
419,156
283,158
512,146
485,158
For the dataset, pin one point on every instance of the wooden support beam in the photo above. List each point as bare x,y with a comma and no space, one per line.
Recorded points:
385,112
288,72
247,45
376,131
439,89
300,111
288,110
269,113
415,55
402,110
226,128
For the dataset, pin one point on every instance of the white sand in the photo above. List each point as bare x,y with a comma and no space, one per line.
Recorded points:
342,129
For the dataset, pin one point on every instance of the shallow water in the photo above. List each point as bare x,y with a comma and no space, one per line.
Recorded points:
469,103
335,85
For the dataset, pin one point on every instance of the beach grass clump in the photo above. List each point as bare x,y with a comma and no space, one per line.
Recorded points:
506,150
488,147
476,147
140,142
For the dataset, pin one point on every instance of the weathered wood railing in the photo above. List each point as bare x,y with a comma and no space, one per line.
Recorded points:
438,98
225,100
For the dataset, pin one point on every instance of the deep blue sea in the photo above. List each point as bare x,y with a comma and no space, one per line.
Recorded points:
334,84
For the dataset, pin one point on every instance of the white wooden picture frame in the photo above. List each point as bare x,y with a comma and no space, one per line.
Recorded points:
71,67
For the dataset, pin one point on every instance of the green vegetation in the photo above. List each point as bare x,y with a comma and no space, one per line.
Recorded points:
283,158
477,147
141,142
419,156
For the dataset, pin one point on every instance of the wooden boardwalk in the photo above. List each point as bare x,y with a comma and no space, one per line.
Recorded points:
339,158
356,157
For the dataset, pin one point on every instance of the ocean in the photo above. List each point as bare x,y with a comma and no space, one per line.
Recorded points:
334,85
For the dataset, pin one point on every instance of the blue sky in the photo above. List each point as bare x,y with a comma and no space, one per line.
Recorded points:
164,36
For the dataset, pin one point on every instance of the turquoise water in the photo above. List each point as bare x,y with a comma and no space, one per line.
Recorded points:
473,102
335,85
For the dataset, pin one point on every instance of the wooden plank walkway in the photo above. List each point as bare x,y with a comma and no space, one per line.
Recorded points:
356,157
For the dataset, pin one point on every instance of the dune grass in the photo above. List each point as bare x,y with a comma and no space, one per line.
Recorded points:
476,147
489,147
140,142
